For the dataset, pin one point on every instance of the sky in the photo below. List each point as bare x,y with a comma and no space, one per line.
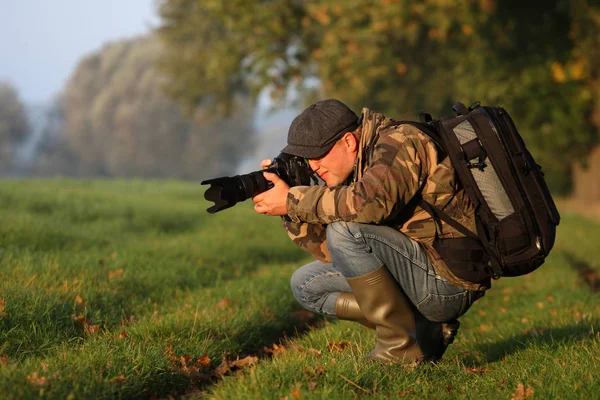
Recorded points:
41,41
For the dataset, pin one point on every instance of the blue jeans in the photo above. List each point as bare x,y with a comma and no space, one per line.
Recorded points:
357,249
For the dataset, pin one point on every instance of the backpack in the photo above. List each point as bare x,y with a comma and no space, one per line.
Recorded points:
516,217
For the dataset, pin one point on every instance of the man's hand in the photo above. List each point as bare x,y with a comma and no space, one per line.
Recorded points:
273,201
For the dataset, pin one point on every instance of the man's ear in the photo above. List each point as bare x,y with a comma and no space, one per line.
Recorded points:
350,141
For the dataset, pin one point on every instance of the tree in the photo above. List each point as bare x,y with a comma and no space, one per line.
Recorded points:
118,122
398,57
14,127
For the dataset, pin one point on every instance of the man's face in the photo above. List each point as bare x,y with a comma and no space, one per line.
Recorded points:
337,165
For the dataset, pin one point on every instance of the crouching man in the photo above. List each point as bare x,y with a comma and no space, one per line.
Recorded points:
375,263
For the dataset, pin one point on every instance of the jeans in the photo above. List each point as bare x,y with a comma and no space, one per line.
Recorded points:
357,249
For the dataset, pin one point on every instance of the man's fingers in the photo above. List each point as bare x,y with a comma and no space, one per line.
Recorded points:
259,208
259,197
265,163
271,177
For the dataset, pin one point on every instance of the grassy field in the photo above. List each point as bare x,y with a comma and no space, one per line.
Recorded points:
131,290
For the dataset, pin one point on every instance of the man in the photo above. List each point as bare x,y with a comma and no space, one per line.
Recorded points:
373,243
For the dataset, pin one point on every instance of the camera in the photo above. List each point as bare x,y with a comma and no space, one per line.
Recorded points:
225,192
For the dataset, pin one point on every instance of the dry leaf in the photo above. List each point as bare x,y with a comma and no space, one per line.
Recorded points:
502,309
91,329
477,371
549,298
317,352
115,274
79,301
484,328
2,306
482,313
296,393
312,385
3,360
318,371
37,380
540,304
79,318
524,320
522,393
204,361
226,302
275,350
333,346
117,379
123,335
243,362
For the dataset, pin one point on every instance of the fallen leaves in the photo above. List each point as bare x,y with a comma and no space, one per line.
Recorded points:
115,274
79,301
3,313
314,351
117,379
81,320
225,303
296,393
37,380
200,372
337,346
275,350
204,361
522,392
477,371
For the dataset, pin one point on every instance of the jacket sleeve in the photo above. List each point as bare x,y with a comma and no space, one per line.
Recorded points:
309,237
394,175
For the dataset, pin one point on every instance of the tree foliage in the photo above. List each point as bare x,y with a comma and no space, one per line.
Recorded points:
116,121
14,127
400,57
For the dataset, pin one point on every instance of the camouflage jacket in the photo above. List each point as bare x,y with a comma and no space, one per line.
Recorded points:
394,163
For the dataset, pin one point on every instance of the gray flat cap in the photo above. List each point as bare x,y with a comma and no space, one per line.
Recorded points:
314,132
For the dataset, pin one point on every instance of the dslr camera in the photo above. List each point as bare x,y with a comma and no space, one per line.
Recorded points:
227,191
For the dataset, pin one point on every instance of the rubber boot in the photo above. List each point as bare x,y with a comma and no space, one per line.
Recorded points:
347,308
384,305
433,337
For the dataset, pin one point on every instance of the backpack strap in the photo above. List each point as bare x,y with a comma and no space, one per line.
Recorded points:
427,127
438,214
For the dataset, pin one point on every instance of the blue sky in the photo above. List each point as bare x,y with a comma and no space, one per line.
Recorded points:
41,41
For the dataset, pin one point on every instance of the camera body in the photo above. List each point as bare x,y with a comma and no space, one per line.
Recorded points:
225,192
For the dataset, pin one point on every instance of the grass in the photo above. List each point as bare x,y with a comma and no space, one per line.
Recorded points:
129,289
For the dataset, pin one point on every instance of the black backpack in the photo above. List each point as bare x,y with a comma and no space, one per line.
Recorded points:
516,217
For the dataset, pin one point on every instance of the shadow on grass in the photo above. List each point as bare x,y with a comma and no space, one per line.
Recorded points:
533,338
256,339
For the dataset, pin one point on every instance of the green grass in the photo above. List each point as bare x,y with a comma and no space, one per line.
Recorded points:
115,289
